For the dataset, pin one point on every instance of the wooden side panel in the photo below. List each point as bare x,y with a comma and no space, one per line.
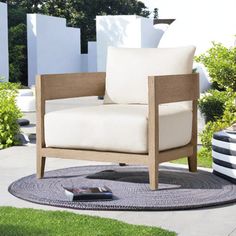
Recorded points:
58,87
167,89
61,86
176,88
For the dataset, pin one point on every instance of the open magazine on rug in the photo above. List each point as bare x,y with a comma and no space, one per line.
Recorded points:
88,193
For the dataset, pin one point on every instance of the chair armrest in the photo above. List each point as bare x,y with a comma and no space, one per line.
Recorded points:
59,86
173,88
167,89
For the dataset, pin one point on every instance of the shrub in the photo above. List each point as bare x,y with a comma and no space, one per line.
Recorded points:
10,86
212,104
228,118
210,129
9,113
218,107
220,62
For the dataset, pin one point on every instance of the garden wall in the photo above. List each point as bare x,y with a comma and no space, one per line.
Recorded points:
4,65
52,46
124,31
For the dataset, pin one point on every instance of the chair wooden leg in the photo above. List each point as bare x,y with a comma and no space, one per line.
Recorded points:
192,162
153,176
122,164
40,166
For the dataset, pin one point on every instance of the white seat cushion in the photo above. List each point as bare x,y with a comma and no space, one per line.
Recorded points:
128,70
122,128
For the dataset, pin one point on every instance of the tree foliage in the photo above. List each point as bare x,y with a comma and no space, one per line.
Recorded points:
220,62
79,13
155,13
17,43
18,53
82,13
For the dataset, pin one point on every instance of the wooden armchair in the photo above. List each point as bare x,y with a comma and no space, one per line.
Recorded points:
165,89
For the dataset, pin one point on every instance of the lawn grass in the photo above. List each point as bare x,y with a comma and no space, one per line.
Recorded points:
202,160
29,222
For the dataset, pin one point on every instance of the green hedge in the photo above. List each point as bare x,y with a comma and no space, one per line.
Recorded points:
218,105
220,62
212,104
228,118
9,113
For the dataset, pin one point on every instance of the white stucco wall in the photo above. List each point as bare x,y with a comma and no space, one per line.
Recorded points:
198,22
52,46
123,31
4,64
161,28
84,62
92,56
89,60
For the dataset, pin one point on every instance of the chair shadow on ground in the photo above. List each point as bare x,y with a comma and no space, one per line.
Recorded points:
170,178
175,178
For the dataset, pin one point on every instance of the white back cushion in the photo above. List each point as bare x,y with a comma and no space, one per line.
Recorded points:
128,70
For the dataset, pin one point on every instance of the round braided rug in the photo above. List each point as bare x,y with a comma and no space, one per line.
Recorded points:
178,188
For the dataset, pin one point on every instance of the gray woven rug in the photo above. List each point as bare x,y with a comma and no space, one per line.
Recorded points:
178,188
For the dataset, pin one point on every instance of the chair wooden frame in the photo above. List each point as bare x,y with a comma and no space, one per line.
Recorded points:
162,89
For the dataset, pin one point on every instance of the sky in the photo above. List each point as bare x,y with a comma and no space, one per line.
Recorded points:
179,8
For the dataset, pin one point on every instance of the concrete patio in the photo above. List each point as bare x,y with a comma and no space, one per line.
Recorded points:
17,162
